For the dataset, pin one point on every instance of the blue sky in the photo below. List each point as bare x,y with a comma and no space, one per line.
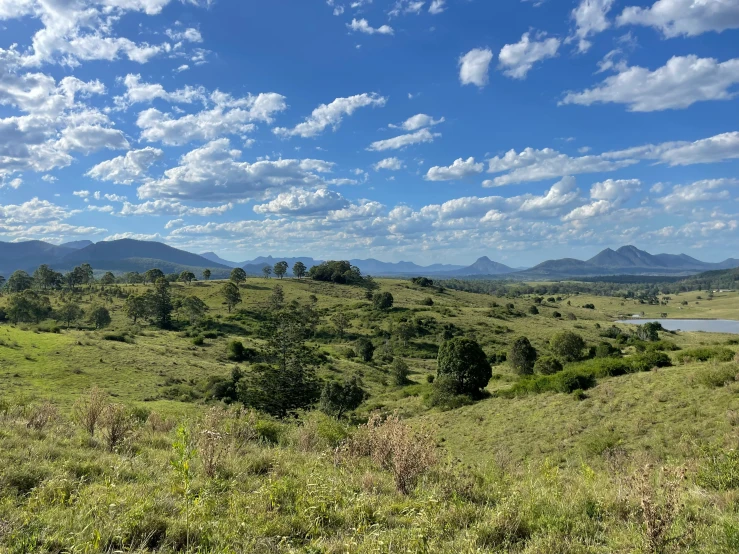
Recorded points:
432,131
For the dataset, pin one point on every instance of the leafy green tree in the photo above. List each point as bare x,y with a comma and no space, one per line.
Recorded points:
153,275
547,365
194,308
280,269
266,271
46,278
68,313
522,356
567,346
299,269
339,398
399,370
341,272
238,275
340,322
27,306
382,301
649,331
133,277
159,300
107,279
365,349
206,274
19,281
405,331
99,317
463,361
231,295
137,306
187,277
87,274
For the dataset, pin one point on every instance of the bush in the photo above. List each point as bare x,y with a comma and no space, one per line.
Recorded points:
444,394
463,361
719,376
382,301
498,358
548,365
567,345
237,352
199,340
522,356
607,350
533,310
89,408
117,337
365,349
428,301
650,360
556,315
704,354
400,372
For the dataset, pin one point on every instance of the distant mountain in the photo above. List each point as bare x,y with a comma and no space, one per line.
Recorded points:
215,258
77,244
558,268
254,267
378,268
483,266
28,255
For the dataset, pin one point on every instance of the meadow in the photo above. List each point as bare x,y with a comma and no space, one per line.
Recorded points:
639,461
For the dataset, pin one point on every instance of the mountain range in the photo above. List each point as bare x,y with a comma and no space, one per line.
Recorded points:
133,255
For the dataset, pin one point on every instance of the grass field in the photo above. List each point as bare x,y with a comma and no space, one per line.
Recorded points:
642,462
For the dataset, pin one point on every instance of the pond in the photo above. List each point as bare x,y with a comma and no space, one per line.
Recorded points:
705,325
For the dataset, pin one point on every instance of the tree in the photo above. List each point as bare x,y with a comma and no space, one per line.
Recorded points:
2,281
338,398
107,279
547,365
400,371
277,298
341,272
341,322
133,277
153,275
19,281
533,310
405,331
28,307
187,277
299,269
46,278
382,301
280,269
69,312
87,275
522,356
567,346
136,307
99,317
238,275
365,349
464,363
231,295
206,274
194,308
266,271
649,331
160,304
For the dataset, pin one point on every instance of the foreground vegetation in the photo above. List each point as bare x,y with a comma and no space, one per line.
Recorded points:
347,414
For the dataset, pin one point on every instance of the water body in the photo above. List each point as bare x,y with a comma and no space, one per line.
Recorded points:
705,325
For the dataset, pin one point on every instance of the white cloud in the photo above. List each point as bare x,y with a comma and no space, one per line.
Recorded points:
213,172
709,150
417,121
362,26
12,183
135,236
189,35
127,169
684,17
331,115
437,6
173,223
115,198
537,165
396,143
591,18
700,191
474,65
304,202
139,92
458,170
32,211
81,193
406,7
391,164
606,197
167,207
517,59
681,82
48,178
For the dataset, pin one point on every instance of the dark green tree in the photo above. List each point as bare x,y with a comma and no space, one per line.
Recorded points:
340,322
280,269
137,307
27,307
99,317
206,274
46,278
277,298
522,356
299,269
464,363
266,271
153,275
567,346
547,365
238,275
194,308
231,295
365,349
159,299
19,281
107,279
382,301
187,277
400,372
68,313
339,398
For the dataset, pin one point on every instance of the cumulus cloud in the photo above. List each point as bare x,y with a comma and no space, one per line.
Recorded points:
304,202
606,197
396,143
687,196
213,172
188,35
168,207
141,92
391,164
591,18
127,169
406,7
363,26
32,211
474,66
418,121
458,170
517,59
709,150
684,17
437,6
681,82
331,115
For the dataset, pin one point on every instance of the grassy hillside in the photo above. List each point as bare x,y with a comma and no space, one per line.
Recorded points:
641,462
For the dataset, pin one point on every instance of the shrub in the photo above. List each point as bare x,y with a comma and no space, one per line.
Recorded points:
607,350
444,394
718,376
498,358
533,310
705,353
522,356
556,315
116,424
382,301
719,470
365,349
338,398
237,352
547,365
89,408
650,360
428,301
463,361
400,372
42,415
567,345
210,441
430,378
579,394
117,337
199,340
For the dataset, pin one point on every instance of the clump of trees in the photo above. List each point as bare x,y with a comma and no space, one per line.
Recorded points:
341,272
382,301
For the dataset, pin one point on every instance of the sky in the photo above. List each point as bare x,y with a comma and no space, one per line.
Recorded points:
436,131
